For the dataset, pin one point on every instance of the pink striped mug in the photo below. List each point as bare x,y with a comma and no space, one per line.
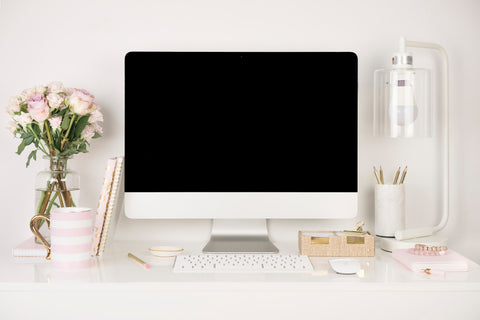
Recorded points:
71,236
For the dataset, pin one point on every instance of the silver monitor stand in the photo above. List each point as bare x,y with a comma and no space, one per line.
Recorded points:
239,236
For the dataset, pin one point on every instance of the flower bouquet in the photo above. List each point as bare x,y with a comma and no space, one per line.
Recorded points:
59,122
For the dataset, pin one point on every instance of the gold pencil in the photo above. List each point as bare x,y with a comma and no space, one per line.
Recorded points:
381,175
138,260
396,176
376,175
403,175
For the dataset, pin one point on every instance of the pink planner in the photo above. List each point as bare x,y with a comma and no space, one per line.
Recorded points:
103,204
450,261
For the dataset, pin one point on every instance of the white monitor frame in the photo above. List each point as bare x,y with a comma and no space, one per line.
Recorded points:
241,205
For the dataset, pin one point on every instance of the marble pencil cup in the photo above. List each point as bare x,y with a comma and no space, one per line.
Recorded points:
389,209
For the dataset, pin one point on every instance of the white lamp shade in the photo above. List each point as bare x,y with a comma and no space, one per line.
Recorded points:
402,102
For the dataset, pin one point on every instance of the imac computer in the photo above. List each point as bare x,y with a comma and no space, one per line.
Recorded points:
240,137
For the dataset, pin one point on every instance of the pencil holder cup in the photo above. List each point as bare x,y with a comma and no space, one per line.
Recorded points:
389,209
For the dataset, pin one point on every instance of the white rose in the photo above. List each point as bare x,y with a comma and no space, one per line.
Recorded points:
56,87
95,116
88,133
12,126
69,91
81,102
96,107
13,105
27,93
97,128
23,119
54,100
55,122
40,89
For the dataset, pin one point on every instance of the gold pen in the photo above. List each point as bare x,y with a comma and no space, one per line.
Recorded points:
381,175
376,175
396,176
138,260
403,175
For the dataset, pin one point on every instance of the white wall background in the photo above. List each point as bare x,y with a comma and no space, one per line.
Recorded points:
83,43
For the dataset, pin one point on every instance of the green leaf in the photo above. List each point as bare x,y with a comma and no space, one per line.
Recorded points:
28,140
65,122
82,122
82,148
36,129
71,152
24,107
96,135
63,112
33,155
57,144
21,146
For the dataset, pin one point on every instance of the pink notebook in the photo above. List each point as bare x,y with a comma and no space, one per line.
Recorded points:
29,248
103,205
451,261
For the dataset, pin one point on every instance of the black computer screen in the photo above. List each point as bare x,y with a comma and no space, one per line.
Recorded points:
241,122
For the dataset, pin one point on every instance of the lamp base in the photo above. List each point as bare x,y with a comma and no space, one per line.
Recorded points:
389,244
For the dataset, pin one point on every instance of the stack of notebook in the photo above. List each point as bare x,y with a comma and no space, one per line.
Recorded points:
450,261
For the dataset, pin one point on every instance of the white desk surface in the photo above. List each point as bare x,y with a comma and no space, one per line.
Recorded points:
382,284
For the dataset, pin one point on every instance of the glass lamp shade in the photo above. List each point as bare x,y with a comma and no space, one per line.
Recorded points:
402,102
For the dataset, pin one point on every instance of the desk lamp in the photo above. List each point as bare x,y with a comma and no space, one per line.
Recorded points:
402,110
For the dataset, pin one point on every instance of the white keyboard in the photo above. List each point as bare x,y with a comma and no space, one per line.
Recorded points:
240,263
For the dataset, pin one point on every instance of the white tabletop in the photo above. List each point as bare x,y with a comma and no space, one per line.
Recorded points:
115,267
116,284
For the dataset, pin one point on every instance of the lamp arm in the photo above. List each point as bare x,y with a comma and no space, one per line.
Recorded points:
422,232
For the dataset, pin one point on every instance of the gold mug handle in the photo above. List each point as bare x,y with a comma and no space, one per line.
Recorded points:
33,227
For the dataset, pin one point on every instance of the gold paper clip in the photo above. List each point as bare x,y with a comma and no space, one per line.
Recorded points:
357,229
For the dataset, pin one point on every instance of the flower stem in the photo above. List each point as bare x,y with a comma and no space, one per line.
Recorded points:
45,200
39,141
60,197
47,213
49,136
65,139
40,203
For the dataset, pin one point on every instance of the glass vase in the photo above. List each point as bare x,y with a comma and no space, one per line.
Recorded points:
55,186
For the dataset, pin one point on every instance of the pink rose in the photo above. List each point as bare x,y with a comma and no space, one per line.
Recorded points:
81,101
38,107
